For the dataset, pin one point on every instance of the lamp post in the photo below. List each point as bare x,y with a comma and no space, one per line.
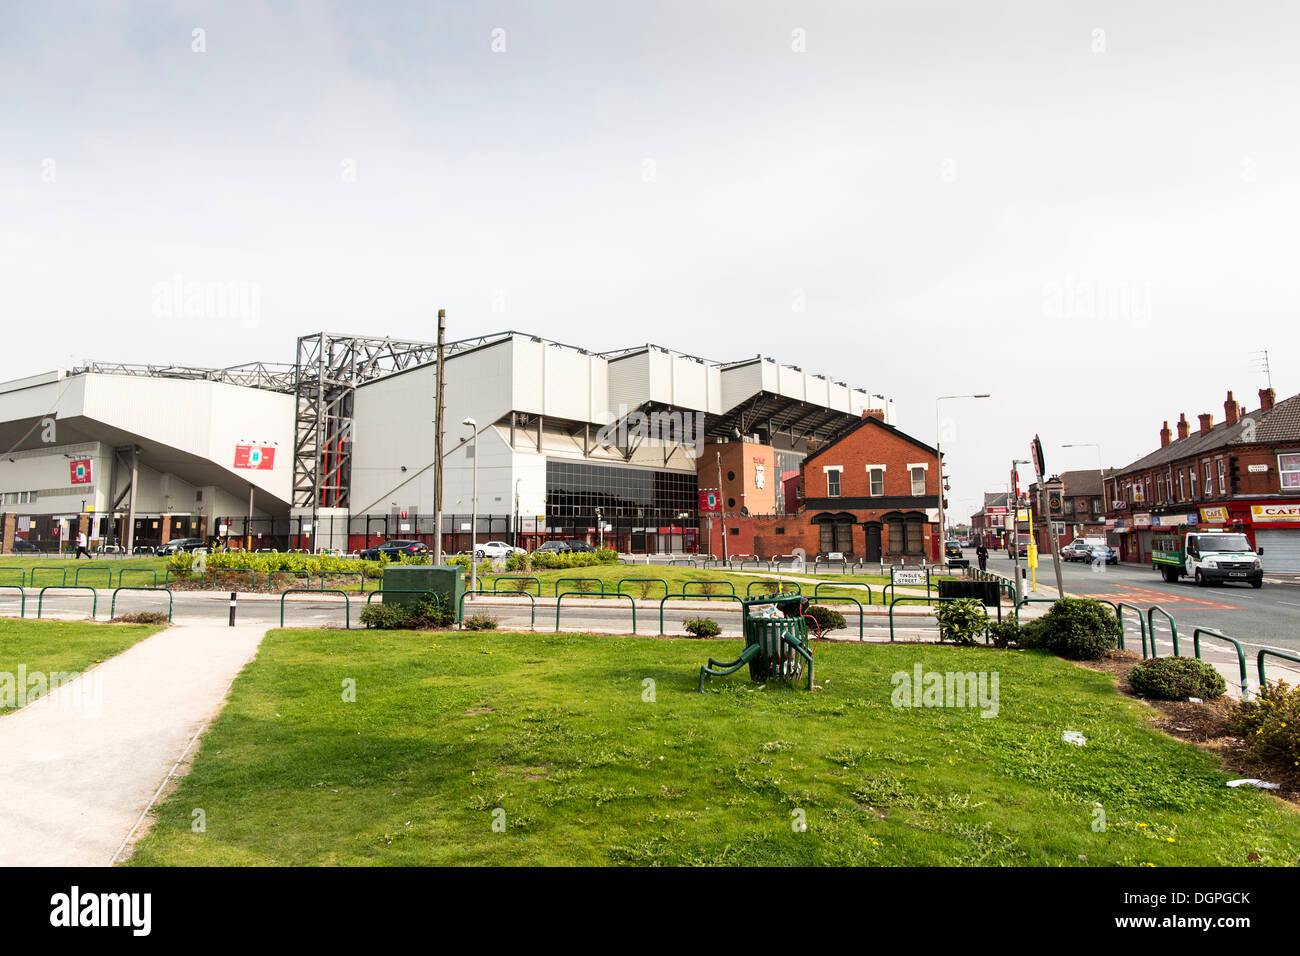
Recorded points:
473,510
939,454
1090,444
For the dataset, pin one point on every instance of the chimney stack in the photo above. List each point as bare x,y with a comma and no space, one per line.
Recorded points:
1166,436
1231,410
1266,399
1183,426
1207,422
876,413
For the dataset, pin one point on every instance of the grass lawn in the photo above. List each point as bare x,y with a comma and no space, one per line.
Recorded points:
20,570
52,647
554,731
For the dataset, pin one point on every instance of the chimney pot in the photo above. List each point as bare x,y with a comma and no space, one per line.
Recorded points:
1231,410
876,413
1266,399
1207,422
1165,435
1183,426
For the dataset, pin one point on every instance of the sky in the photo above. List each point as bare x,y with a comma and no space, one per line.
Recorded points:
1086,210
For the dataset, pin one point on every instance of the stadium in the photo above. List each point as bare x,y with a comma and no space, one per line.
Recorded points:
335,451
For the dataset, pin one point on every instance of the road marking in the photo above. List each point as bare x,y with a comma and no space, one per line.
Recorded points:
1288,604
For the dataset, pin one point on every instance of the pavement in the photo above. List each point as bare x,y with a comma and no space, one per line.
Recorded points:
84,763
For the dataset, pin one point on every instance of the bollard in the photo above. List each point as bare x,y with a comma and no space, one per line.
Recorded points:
232,608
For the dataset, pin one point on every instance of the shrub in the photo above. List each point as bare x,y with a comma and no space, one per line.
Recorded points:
480,622
1031,634
1270,726
383,616
1080,630
428,613
644,587
1004,633
701,627
961,621
142,617
519,585
552,560
827,618
1176,678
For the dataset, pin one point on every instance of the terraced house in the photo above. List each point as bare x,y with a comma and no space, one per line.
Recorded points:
1242,472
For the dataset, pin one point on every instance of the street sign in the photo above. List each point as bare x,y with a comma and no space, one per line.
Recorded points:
1036,453
908,576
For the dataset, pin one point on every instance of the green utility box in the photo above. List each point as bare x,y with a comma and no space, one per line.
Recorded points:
446,580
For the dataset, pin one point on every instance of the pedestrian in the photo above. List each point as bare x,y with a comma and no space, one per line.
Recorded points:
81,546
982,553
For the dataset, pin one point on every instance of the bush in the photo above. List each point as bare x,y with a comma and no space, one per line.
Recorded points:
480,622
701,627
1176,678
828,619
1031,634
1270,726
961,621
553,560
1004,633
428,613
1080,630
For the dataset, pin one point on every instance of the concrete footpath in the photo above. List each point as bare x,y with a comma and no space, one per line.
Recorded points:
83,763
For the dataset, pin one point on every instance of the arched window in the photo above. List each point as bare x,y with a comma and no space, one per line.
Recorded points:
836,532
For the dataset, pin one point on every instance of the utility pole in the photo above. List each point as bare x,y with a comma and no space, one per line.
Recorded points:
722,509
1040,466
437,441
1014,521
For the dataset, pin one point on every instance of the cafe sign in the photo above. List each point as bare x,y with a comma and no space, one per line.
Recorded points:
1268,513
1216,515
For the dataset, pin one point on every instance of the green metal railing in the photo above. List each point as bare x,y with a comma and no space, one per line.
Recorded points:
272,575
678,597
252,576
831,584
1241,654
496,584
342,574
112,607
559,581
94,596
1142,621
22,595
76,575
532,603
1151,627
152,572
22,577
730,586
63,574
645,581
347,604
862,632
437,595
559,598
794,588
930,600
1269,652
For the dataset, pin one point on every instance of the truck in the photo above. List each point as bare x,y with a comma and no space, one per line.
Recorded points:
1207,556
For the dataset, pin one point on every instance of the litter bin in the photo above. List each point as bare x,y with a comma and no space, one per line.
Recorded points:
446,580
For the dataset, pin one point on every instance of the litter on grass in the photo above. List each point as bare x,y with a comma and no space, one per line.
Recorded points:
1074,737
1252,782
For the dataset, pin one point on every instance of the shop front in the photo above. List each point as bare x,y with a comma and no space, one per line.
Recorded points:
1276,531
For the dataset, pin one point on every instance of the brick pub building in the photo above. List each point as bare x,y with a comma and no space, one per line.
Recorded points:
1243,472
873,494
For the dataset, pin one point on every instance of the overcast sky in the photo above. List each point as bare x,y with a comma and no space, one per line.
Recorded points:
1087,209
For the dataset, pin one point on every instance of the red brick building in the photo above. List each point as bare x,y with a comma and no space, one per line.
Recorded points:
1243,471
873,494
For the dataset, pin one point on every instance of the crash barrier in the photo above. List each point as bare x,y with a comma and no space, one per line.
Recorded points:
559,581
731,588
112,607
936,600
1151,627
1119,612
152,572
532,604
496,585
678,597
559,599
94,596
1241,654
22,597
1269,652
347,604
794,586
63,575
644,581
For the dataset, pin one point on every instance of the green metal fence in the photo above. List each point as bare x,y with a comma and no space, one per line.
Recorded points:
22,597
559,599
1151,627
1241,654
112,607
730,586
929,600
347,604
94,596
678,597
532,603
559,581
1269,652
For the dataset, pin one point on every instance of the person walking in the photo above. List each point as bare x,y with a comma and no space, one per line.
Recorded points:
982,553
81,546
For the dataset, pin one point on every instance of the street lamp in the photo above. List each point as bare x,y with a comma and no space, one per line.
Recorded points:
1090,444
473,510
939,454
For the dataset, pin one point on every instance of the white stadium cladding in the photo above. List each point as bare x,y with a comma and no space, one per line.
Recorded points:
336,449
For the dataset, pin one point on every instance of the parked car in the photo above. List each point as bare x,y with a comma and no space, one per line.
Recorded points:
1102,553
394,550
1076,551
178,545
492,550
954,555
570,546
23,546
